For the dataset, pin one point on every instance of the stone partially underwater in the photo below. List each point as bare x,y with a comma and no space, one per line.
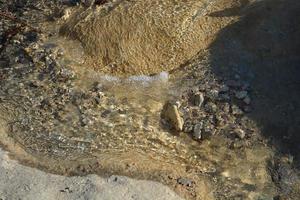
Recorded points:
143,36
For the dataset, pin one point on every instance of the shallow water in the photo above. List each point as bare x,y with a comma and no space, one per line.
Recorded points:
125,134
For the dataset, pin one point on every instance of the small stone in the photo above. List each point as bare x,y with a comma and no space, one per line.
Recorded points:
239,133
98,87
188,126
226,108
247,109
198,99
224,89
171,114
247,100
245,86
197,133
241,95
185,182
97,100
213,94
85,121
236,76
211,107
236,110
224,97
66,14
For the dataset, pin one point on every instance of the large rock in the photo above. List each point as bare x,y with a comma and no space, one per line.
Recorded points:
171,114
143,36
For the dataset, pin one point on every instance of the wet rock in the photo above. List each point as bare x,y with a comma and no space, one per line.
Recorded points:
233,83
85,121
247,109
197,132
171,114
247,100
226,108
236,110
241,94
211,107
239,133
66,14
97,87
97,100
185,182
208,130
224,89
198,99
224,97
213,94
188,126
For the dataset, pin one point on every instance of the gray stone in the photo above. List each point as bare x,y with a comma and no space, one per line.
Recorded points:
236,110
197,132
241,94
198,99
239,133
224,97
224,89
185,182
213,94
247,100
211,107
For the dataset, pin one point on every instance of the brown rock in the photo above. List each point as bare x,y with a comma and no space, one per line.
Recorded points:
171,114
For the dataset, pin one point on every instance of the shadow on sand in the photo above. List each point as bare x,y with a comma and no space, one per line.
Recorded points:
264,49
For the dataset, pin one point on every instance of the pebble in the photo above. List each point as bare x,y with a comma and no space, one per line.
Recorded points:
236,110
224,97
185,182
211,107
198,99
213,94
247,109
66,14
188,126
224,89
247,100
241,94
233,83
239,133
197,132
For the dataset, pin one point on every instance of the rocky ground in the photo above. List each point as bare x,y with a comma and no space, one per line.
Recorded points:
209,118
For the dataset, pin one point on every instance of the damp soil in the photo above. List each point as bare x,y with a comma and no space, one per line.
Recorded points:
62,115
